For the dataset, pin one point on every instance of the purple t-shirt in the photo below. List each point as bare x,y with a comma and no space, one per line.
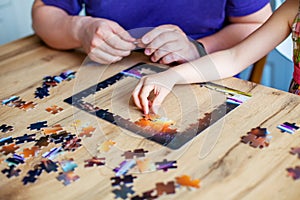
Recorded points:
197,18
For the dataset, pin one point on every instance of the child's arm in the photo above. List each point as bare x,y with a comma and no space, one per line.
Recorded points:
221,64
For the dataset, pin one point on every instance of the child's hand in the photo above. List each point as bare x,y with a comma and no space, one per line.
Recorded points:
161,84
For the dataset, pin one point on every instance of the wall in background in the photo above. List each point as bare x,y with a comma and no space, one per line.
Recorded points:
15,20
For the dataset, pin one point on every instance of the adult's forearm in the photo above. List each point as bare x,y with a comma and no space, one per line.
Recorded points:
56,27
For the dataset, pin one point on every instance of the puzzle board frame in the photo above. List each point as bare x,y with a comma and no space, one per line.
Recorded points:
172,141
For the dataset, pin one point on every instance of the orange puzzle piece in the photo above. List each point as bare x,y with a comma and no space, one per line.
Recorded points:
185,180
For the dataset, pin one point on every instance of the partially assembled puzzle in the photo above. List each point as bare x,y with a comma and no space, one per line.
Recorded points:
96,101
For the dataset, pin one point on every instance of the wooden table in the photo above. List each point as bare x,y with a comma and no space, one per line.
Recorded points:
227,168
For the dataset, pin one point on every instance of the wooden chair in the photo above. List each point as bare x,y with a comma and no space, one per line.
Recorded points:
257,70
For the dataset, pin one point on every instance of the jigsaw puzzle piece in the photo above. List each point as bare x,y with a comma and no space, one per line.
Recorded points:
42,141
6,140
123,192
122,180
25,138
288,127
94,162
5,128
72,144
9,149
165,165
54,109
168,188
67,177
105,146
48,165
86,131
295,150
38,125
148,195
32,176
33,151
124,167
294,172
185,180
15,160
11,171
68,165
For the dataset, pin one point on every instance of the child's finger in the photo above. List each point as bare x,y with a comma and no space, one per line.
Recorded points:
158,100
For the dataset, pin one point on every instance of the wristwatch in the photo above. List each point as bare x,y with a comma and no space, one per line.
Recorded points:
200,47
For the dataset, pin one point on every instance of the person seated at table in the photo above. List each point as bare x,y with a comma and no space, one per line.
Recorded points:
227,63
104,35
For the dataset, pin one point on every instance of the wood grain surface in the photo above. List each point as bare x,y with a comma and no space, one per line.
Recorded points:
227,168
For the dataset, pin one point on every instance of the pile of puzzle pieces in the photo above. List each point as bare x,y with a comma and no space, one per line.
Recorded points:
64,141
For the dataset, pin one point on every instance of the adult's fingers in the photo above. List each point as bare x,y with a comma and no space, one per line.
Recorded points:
102,45
114,40
122,33
102,57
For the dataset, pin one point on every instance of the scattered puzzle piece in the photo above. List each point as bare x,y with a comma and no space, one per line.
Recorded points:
9,149
259,132
53,153
288,127
41,92
67,177
124,167
6,140
255,141
185,180
25,138
146,195
121,181
294,172
9,100
168,188
123,192
28,106
72,145
105,146
5,128
61,137
136,153
68,165
30,152
48,165
165,165
32,176
38,125
94,162
52,130
15,160
257,137
86,131
42,142
11,171
54,109
145,165
295,150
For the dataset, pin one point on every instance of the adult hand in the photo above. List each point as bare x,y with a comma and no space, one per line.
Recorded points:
160,84
167,44
105,41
